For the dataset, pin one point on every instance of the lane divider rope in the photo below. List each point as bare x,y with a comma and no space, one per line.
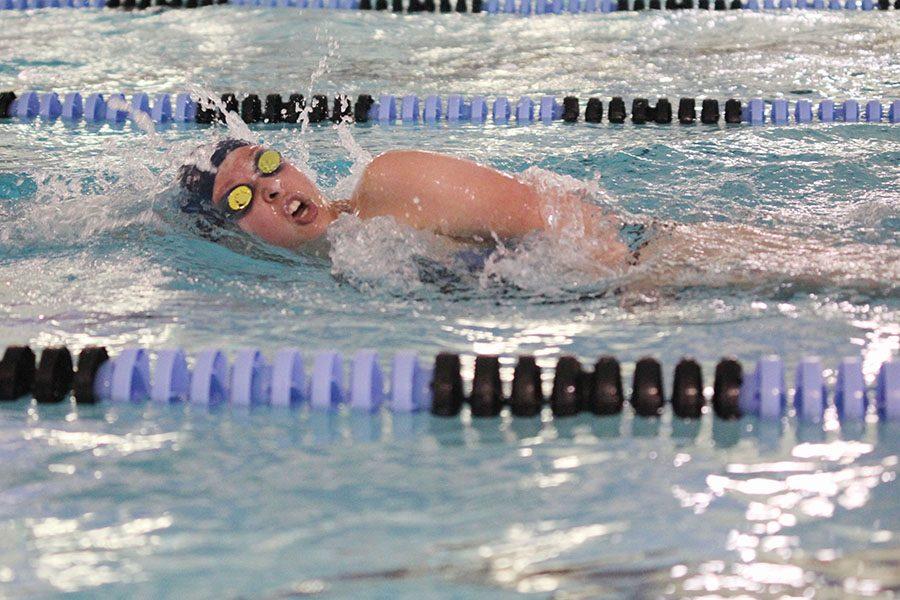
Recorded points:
250,380
387,109
490,7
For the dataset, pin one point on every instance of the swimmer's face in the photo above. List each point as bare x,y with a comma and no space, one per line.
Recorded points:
283,207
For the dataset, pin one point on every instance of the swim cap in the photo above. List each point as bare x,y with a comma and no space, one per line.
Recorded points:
197,180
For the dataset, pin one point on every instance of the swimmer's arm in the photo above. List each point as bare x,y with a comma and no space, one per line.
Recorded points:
447,195
721,254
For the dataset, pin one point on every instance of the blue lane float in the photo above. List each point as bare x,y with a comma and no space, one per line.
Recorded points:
525,111
94,108
410,384
754,112
811,394
478,110
432,112
185,108
73,107
894,112
162,109
251,381
114,114
826,111
289,384
501,110
366,382
803,112
327,386
129,380
550,110
26,106
410,109
172,378
386,108
209,379
850,396
780,111
763,393
887,391
140,102
50,107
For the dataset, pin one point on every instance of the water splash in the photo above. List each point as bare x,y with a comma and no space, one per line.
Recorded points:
236,127
381,254
141,119
298,145
360,157
741,256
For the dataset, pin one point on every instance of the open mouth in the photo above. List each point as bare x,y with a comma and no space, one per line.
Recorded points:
301,211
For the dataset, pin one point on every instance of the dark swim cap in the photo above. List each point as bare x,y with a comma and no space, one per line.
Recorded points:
197,180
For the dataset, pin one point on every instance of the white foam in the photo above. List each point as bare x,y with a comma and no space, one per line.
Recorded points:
382,254
379,254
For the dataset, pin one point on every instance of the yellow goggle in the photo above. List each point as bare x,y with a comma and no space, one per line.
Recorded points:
268,162
238,200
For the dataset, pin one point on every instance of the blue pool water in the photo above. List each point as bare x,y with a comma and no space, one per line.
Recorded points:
125,502
116,501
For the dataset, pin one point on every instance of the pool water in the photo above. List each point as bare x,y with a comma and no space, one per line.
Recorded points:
114,501
154,503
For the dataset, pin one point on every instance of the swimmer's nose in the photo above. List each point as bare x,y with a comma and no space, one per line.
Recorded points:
271,190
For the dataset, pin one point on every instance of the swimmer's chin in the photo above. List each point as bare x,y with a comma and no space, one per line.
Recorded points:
319,247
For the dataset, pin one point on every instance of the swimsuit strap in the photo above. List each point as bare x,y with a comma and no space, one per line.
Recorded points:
638,235
635,236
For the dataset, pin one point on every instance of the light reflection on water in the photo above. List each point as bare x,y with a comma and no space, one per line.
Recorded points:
794,492
584,507
73,557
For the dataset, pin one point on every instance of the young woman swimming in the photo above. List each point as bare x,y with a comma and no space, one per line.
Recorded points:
254,188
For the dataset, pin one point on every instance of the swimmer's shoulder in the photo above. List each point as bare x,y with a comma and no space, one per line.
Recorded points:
385,182
384,170
396,174
400,160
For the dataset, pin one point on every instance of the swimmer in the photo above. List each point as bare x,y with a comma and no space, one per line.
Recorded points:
254,188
